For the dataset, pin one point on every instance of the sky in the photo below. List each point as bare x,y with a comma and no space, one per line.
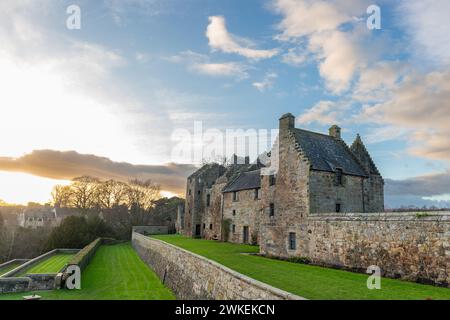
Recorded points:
116,97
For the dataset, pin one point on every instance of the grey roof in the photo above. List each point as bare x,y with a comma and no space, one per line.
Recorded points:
244,181
327,153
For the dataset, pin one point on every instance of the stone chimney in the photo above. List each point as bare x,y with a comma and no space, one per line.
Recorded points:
335,132
287,121
235,159
247,160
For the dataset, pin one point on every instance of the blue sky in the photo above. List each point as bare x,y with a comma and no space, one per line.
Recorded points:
138,70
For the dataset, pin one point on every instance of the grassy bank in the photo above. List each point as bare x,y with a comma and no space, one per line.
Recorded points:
115,273
308,281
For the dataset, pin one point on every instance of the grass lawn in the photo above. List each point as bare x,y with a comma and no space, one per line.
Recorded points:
115,273
53,264
9,268
308,281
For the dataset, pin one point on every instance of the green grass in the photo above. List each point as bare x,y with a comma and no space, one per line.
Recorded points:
9,268
53,264
311,282
115,273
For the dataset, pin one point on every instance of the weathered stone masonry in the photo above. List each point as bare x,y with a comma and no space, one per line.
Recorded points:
407,246
193,277
305,209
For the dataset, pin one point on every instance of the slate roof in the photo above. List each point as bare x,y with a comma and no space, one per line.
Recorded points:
244,181
327,153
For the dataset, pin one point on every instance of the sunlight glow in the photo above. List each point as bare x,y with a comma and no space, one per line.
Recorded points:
21,188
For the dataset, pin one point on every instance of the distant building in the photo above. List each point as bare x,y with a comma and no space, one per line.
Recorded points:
45,216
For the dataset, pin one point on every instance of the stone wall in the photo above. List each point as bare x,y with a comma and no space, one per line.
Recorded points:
324,194
151,229
247,213
193,277
413,247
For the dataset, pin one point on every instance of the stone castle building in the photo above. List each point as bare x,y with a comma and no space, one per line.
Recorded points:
321,200
316,173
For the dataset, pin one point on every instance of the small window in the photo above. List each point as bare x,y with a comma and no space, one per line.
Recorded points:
210,226
272,210
272,180
257,194
198,191
233,228
235,196
339,177
190,192
338,207
292,241
208,200
204,226
234,212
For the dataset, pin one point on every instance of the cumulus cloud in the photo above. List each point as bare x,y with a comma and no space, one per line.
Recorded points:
420,103
220,39
324,112
305,17
428,25
266,83
338,53
66,165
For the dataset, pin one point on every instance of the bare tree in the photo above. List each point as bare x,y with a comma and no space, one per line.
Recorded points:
84,191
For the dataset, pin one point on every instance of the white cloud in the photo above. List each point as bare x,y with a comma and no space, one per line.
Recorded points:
338,53
266,83
227,69
295,57
220,39
428,24
339,58
324,112
200,63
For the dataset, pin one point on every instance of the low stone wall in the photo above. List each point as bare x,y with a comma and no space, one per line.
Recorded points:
35,261
413,246
149,230
8,263
193,277
9,283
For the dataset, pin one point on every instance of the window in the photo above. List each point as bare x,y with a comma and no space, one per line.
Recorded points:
190,192
272,180
235,196
272,210
292,241
234,212
210,226
338,207
233,228
339,177
257,194
198,191
208,200
204,226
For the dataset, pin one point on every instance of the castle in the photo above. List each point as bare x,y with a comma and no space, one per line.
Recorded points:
316,173
320,200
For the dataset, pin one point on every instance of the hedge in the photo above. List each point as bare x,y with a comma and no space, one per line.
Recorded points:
84,256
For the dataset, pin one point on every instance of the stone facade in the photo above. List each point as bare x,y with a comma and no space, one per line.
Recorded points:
413,247
192,277
306,210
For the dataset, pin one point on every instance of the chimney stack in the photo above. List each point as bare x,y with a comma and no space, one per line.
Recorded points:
247,160
335,132
287,121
